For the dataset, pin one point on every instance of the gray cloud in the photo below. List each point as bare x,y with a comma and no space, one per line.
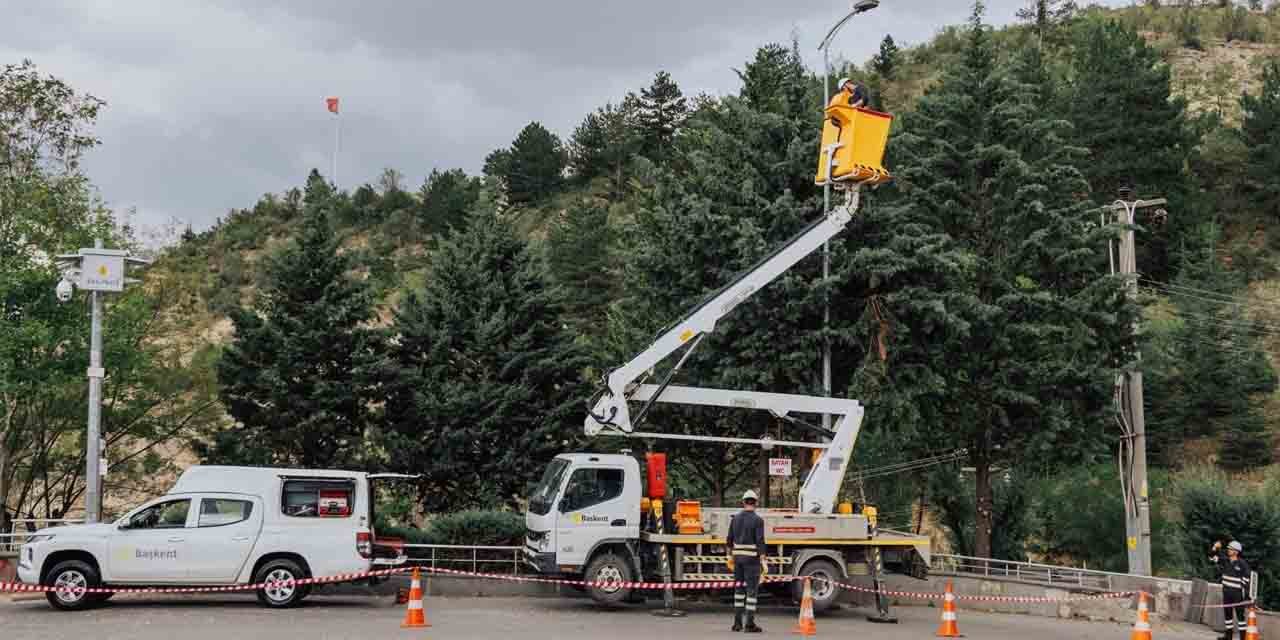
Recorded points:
211,104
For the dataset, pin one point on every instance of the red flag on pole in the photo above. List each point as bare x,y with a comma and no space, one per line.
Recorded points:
333,104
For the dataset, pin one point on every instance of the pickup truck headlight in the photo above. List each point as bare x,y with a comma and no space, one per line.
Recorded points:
35,539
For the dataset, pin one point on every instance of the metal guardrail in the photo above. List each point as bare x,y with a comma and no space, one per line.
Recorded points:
23,528
1030,572
465,557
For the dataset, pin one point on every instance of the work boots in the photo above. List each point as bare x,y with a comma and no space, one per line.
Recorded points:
751,624
737,620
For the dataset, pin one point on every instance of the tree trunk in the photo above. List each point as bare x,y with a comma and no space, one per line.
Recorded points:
982,518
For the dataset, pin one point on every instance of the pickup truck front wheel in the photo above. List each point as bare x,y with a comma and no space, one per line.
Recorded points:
280,596
69,580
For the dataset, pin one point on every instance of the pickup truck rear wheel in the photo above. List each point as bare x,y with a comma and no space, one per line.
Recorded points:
822,587
70,579
280,596
608,568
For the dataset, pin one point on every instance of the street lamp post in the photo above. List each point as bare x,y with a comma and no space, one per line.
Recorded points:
97,271
859,6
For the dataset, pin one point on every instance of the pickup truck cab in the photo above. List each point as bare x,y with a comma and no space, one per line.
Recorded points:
217,526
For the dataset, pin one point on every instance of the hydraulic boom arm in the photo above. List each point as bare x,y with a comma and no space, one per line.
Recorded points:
611,414
610,410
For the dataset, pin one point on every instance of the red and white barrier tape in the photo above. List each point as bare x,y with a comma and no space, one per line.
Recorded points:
19,587
929,595
702,585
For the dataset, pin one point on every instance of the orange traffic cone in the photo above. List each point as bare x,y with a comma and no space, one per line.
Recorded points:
1251,627
1142,625
414,616
949,628
807,626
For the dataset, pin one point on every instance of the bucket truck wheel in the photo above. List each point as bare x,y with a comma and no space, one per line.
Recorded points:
822,587
604,569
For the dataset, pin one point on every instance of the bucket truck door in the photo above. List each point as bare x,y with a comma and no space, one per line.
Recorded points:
600,502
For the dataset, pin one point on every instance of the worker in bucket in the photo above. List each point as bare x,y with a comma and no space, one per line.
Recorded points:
1235,586
850,93
746,541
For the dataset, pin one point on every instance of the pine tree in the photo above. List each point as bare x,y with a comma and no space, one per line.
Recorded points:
662,110
297,378
1045,16
1209,367
535,168
1260,131
1137,133
604,144
446,197
484,387
580,254
774,81
1004,329
885,63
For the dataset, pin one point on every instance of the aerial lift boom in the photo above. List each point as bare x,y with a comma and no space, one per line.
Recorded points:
611,414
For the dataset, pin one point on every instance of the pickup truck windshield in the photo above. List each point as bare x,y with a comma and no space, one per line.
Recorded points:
545,494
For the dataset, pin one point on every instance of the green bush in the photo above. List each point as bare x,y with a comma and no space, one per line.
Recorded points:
1078,517
1214,508
482,528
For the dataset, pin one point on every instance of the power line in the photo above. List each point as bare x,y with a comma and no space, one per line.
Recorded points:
1205,295
1202,319
911,465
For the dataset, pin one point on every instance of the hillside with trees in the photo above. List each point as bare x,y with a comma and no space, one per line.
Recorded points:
457,328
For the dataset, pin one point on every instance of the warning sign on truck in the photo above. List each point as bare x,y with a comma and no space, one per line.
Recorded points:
794,530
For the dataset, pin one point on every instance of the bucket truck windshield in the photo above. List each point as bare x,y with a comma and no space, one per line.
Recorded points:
545,493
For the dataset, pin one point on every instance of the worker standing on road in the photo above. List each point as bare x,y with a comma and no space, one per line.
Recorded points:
746,541
1235,586
850,93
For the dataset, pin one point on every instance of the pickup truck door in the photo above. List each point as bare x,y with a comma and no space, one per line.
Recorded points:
150,544
224,529
594,507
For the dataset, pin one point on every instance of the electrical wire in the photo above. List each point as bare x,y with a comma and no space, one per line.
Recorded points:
911,465
1210,296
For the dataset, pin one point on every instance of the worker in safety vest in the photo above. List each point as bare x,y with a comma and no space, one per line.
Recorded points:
1235,586
850,93
747,554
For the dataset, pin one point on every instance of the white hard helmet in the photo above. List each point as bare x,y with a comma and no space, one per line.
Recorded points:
841,83
750,495
1235,544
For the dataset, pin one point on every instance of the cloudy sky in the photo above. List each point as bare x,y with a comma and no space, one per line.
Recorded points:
211,104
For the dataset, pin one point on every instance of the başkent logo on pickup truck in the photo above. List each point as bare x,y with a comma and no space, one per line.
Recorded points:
579,518
146,554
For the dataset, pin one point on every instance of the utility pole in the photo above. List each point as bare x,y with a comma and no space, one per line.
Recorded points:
94,467
97,271
1133,443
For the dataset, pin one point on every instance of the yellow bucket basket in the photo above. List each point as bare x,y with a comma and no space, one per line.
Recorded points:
853,140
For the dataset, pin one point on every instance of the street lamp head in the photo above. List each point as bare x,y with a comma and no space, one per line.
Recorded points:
860,6
64,290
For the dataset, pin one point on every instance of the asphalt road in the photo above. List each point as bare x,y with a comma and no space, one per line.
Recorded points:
238,617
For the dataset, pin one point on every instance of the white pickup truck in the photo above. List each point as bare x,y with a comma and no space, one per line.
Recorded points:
218,526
